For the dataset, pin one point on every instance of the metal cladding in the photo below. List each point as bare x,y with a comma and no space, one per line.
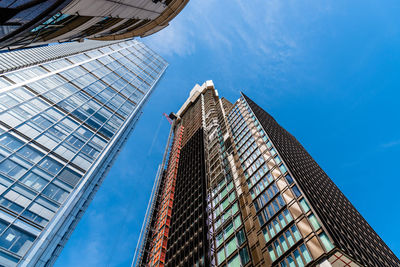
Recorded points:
248,194
33,22
163,221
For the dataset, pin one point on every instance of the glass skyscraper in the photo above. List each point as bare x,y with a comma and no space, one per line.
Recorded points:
239,190
65,112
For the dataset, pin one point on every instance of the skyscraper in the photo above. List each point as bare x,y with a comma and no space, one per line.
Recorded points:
33,22
65,112
239,190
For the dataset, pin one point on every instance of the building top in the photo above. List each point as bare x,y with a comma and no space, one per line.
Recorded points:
32,22
194,94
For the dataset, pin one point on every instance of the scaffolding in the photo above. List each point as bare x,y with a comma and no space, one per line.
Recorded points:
146,226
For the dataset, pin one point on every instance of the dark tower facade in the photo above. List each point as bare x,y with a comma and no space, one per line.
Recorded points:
246,193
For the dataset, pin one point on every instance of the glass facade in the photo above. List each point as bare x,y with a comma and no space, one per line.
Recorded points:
60,120
272,189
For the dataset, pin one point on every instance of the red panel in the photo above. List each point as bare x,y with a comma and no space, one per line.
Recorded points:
160,237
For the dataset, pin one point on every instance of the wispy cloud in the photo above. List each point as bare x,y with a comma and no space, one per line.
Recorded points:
391,144
259,28
173,40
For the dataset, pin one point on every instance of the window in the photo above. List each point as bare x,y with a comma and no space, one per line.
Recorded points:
10,142
287,215
234,262
237,221
305,253
296,191
278,248
291,261
219,239
298,258
244,255
289,238
34,217
56,193
282,220
34,181
13,169
221,255
16,240
30,153
295,232
269,145
231,247
266,235
282,168
304,205
11,205
276,225
325,240
271,253
228,231
50,165
289,179
241,238
314,222
69,176
282,240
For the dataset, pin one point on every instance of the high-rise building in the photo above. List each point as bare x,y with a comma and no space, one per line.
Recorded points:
65,112
239,190
33,22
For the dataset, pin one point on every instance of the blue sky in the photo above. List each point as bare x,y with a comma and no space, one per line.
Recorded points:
328,71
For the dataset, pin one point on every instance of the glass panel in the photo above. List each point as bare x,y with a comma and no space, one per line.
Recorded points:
234,262
244,255
266,235
283,243
304,205
305,253
16,240
291,261
282,168
287,215
296,191
298,258
228,231
289,179
219,239
325,240
289,238
278,248
296,233
221,255
34,181
241,238
314,222
282,220
237,222
272,253
56,193
276,225
231,247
